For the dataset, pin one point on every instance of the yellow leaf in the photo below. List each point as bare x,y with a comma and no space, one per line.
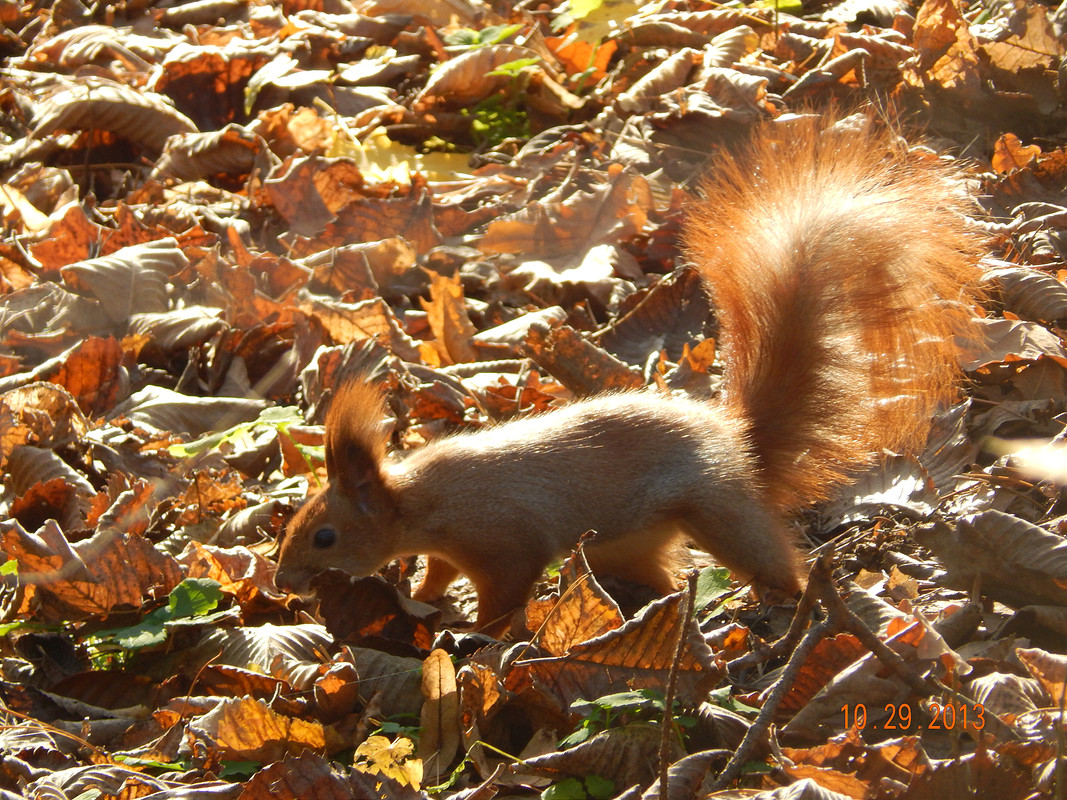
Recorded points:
379,756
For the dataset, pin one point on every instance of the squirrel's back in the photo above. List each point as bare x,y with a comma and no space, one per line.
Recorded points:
839,262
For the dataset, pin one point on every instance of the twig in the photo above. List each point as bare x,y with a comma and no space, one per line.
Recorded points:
672,684
819,576
758,730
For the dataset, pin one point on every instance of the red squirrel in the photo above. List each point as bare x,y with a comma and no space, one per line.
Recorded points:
840,265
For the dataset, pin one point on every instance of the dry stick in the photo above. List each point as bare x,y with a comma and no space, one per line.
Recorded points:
672,685
786,642
820,574
758,729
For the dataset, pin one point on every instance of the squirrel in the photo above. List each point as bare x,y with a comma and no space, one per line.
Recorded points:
841,265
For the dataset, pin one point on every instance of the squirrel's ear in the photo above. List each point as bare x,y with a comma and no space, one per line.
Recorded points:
356,443
357,474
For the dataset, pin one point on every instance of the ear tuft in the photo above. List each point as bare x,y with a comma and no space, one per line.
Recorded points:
356,439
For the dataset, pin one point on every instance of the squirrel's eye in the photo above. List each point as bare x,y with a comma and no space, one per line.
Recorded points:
324,537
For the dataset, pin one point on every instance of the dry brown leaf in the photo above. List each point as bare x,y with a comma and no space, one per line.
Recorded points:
864,682
98,576
203,81
129,281
439,727
178,330
145,118
232,151
311,192
626,756
668,317
481,694
578,364
166,410
637,655
464,80
94,44
1034,42
241,573
849,766
1009,153
297,777
356,608
1029,293
829,658
1050,670
983,772
362,268
336,692
39,413
447,312
1008,340
89,371
245,729
393,681
1017,562
608,214
1008,696
374,219
946,55
222,680
584,610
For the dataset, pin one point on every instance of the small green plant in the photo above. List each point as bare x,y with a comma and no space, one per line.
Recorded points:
614,710
193,598
493,34
723,699
406,725
496,119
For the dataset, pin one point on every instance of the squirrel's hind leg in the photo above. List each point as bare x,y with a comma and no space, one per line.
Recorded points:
649,557
439,574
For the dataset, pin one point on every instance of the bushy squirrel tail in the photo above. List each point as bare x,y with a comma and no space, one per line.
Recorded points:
842,267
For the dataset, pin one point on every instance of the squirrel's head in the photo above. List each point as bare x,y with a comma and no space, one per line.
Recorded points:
349,524
338,529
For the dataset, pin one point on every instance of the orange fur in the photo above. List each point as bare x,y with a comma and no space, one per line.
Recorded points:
826,251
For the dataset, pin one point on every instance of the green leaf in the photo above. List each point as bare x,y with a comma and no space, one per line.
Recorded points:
566,789
584,733
599,788
194,597
239,770
721,697
639,700
512,68
9,567
787,6
163,766
493,34
712,583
